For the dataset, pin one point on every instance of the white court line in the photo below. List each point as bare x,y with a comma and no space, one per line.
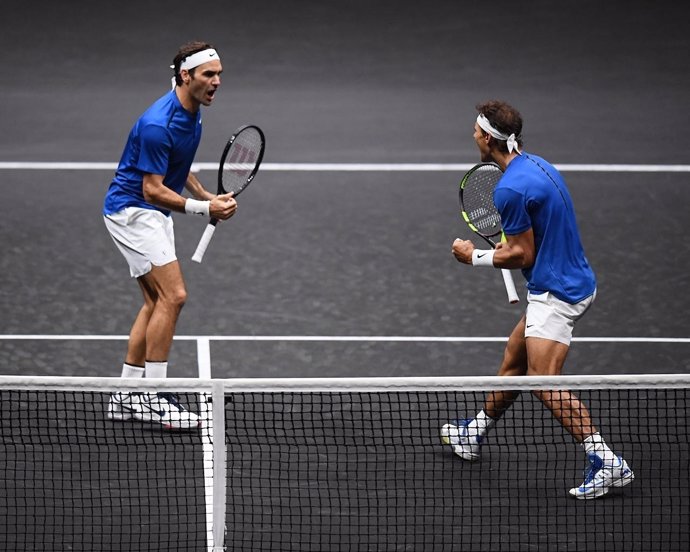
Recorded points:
204,339
348,167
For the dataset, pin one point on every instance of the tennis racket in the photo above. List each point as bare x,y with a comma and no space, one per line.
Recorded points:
480,213
238,167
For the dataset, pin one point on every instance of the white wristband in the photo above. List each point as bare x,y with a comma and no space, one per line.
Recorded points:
483,257
196,207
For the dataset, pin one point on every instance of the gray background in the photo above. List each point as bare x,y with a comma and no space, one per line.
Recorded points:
344,253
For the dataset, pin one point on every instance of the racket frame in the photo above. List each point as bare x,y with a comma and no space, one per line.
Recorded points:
224,156
508,281
211,226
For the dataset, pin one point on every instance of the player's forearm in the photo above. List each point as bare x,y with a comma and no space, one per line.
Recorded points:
156,193
512,257
171,201
196,188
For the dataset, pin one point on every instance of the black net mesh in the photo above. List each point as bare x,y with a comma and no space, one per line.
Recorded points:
356,470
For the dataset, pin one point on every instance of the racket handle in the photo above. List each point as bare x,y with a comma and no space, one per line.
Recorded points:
510,286
203,243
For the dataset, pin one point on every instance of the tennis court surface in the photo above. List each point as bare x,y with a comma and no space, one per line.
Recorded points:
338,265
334,465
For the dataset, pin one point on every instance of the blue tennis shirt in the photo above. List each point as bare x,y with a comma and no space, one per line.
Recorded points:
533,194
163,141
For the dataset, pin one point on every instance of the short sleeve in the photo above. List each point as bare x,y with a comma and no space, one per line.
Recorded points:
155,146
513,211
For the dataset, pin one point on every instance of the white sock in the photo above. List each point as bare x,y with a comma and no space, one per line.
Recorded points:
156,369
595,444
481,424
131,371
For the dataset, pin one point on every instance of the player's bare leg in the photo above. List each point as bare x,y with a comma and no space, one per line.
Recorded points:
514,364
466,436
605,469
546,358
136,345
150,341
165,285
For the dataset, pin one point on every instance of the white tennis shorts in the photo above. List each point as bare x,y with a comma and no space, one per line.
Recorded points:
550,318
144,237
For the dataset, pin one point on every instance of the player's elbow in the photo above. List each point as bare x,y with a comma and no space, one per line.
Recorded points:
149,194
527,259
152,188
521,258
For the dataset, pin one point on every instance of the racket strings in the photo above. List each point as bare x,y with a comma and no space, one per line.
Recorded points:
242,159
478,203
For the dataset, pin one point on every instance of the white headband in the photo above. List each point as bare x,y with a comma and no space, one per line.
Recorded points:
485,125
190,62
199,58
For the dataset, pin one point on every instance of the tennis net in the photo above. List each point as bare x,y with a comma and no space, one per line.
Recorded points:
338,464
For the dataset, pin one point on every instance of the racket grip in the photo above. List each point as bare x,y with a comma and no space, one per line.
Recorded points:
510,286
203,243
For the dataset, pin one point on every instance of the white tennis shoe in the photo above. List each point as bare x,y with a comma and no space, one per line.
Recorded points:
465,445
161,408
601,477
122,406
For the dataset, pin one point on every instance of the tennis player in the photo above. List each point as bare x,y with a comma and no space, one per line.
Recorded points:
543,240
154,170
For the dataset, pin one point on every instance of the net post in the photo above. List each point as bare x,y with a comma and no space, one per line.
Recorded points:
219,466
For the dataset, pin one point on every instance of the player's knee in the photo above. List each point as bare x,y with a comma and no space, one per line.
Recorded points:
510,367
177,298
181,297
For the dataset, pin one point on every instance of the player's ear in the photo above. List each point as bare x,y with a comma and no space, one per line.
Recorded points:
184,75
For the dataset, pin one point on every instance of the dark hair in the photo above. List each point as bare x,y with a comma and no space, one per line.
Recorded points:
504,118
183,53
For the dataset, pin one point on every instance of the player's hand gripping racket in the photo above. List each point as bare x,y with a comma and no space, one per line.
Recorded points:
480,213
238,167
